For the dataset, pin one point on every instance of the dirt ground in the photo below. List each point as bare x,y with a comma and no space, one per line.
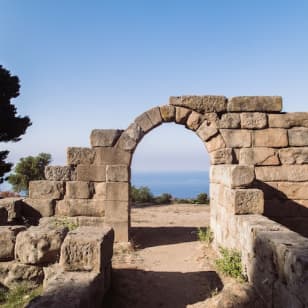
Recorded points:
168,266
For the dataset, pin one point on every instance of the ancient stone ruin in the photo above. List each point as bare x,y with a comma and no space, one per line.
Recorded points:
258,191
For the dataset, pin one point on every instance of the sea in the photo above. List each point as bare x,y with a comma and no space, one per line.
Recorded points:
186,184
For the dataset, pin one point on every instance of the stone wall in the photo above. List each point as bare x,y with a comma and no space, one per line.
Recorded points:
259,164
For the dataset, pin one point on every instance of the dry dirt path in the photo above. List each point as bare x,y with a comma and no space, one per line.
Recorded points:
169,267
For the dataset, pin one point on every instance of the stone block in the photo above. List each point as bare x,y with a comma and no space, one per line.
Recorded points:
46,189
206,131
104,137
194,121
253,120
215,143
236,138
87,249
70,289
94,173
155,116
298,136
40,244
7,241
37,208
117,173
255,103
59,173
270,137
12,273
288,120
100,191
291,173
13,208
232,176
259,157
130,138
80,207
77,155
72,222
201,104
247,201
79,190
292,190
222,156
112,156
282,208
120,231
181,115
116,211
291,156
144,122
117,191
167,113
230,120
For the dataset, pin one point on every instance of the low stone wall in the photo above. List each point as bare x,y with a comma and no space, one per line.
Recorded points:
73,266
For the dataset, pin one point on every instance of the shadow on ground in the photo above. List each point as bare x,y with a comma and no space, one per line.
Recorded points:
163,289
144,237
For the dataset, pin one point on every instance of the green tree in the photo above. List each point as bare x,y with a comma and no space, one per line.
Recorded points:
11,126
202,198
29,169
141,194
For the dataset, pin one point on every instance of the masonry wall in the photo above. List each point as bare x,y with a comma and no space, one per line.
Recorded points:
259,164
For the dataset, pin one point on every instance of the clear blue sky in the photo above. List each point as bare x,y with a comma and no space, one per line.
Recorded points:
99,64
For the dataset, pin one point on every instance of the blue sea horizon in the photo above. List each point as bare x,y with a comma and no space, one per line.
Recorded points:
184,184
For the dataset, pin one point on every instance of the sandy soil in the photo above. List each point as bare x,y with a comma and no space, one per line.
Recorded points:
168,266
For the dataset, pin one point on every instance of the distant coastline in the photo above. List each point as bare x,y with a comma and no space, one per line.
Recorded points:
183,184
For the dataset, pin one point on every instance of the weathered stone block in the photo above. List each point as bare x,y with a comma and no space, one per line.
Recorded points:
253,120
71,222
215,143
13,208
291,173
120,230
181,115
232,175
87,249
100,191
155,116
236,138
230,120
194,121
3,216
59,173
167,113
112,156
298,136
117,191
293,190
270,137
255,103
222,156
290,156
258,156
130,138
37,208
71,289
39,245
77,155
247,201
79,190
202,104
80,207
94,173
7,241
206,131
104,137
116,211
117,173
288,120
46,189
12,273
144,122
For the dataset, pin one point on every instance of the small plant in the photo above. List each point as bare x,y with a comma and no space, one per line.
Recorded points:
66,223
19,295
205,235
230,264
